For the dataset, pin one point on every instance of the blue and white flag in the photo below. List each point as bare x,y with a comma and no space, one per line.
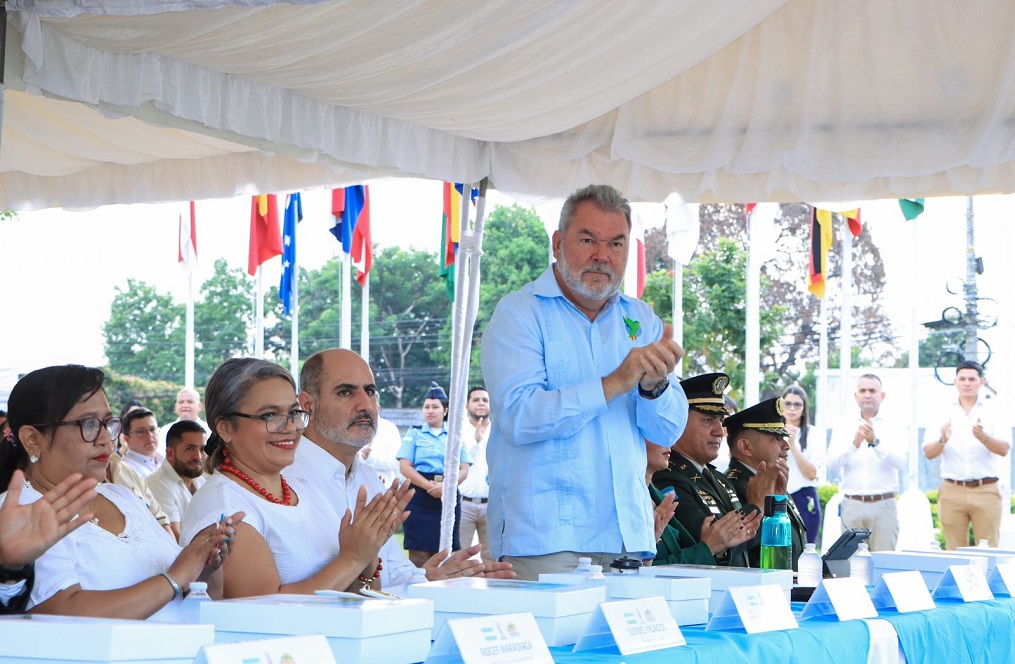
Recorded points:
293,215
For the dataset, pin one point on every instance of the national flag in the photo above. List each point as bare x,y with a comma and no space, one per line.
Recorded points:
911,207
821,242
293,215
634,275
265,237
362,253
346,207
187,240
853,219
450,230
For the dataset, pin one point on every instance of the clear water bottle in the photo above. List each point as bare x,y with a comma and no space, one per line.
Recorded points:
983,544
190,607
860,564
595,572
584,566
935,545
776,535
809,567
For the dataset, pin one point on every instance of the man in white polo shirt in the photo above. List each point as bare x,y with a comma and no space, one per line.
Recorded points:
141,433
972,442
869,451
474,489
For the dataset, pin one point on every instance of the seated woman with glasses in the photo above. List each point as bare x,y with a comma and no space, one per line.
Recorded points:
122,563
291,541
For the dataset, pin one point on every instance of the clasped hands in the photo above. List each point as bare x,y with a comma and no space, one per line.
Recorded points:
646,366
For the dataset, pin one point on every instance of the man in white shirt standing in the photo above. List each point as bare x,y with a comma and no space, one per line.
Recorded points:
972,441
141,433
337,387
181,474
869,451
188,405
474,489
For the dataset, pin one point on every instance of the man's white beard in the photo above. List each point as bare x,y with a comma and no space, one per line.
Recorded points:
574,281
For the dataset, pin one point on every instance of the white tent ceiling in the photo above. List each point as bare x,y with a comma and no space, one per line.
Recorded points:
120,101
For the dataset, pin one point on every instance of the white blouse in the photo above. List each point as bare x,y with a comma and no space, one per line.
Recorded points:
96,559
815,453
302,538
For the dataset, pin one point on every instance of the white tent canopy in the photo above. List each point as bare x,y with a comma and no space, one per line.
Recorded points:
122,101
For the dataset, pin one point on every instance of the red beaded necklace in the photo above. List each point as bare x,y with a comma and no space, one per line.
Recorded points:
287,495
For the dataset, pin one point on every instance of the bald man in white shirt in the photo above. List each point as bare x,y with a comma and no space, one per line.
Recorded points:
869,451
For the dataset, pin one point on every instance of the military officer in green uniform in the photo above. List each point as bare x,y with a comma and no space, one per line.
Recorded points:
758,466
703,494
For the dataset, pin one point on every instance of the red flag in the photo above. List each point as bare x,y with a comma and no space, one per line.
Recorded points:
265,235
362,253
853,219
187,240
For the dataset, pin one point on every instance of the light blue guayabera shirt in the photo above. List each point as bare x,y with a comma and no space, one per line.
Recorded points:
427,450
567,469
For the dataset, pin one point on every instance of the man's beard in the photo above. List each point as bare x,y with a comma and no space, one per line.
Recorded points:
341,435
573,279
185,471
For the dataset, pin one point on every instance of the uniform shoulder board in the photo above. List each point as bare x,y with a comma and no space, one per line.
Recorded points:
732,473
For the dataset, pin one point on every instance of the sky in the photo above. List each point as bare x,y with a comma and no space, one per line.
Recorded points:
59,269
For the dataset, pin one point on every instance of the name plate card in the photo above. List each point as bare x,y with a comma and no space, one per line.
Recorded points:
755,609
903,591
1002,580
290,649
965,582
495,639
633,626
846,598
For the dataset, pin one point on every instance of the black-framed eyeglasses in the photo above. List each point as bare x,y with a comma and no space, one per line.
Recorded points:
278,422
150,431
90,427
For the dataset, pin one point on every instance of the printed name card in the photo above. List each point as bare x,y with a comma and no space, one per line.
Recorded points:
903,591
1002,580
633,626
846,598
965,582
290,649
755,609
497,639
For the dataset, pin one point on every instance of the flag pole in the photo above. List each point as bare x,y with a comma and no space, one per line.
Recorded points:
345,331
846,319
364,324
294,344
259,315
678,311
752,351
188,353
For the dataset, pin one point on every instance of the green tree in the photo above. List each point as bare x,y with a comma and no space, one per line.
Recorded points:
158,396
223,318
144,333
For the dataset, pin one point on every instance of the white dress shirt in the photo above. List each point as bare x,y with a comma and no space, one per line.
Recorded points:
865,470
383,449
169,489
316,466
475,484
144,465
964,457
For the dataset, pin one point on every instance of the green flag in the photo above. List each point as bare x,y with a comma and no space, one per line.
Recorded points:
911,207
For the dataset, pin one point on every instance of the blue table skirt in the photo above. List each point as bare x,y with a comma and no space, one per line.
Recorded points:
957,633
823,639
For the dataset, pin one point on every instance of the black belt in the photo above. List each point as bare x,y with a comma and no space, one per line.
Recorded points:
873,499
481,501
979,482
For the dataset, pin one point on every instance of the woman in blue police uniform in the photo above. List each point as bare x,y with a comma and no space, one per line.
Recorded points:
421,460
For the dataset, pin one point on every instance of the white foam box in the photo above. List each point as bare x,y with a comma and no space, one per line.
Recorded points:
723,578
41,638
931,564
687,597
358,629
993,556
561,611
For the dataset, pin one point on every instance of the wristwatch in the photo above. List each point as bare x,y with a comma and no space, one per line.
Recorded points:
877,441
656,391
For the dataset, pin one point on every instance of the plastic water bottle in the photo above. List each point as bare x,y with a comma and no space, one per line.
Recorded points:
983,544
776,535
809,567
595,572
190,607
860,564
585,566
935,545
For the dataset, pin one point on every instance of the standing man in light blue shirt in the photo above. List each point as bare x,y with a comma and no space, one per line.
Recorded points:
579,377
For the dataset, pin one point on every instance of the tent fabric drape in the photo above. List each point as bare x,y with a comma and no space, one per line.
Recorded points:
783,100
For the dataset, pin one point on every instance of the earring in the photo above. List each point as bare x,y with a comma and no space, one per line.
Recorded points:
33,459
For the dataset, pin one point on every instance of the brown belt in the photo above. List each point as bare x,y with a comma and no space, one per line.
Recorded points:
872,499
979,482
